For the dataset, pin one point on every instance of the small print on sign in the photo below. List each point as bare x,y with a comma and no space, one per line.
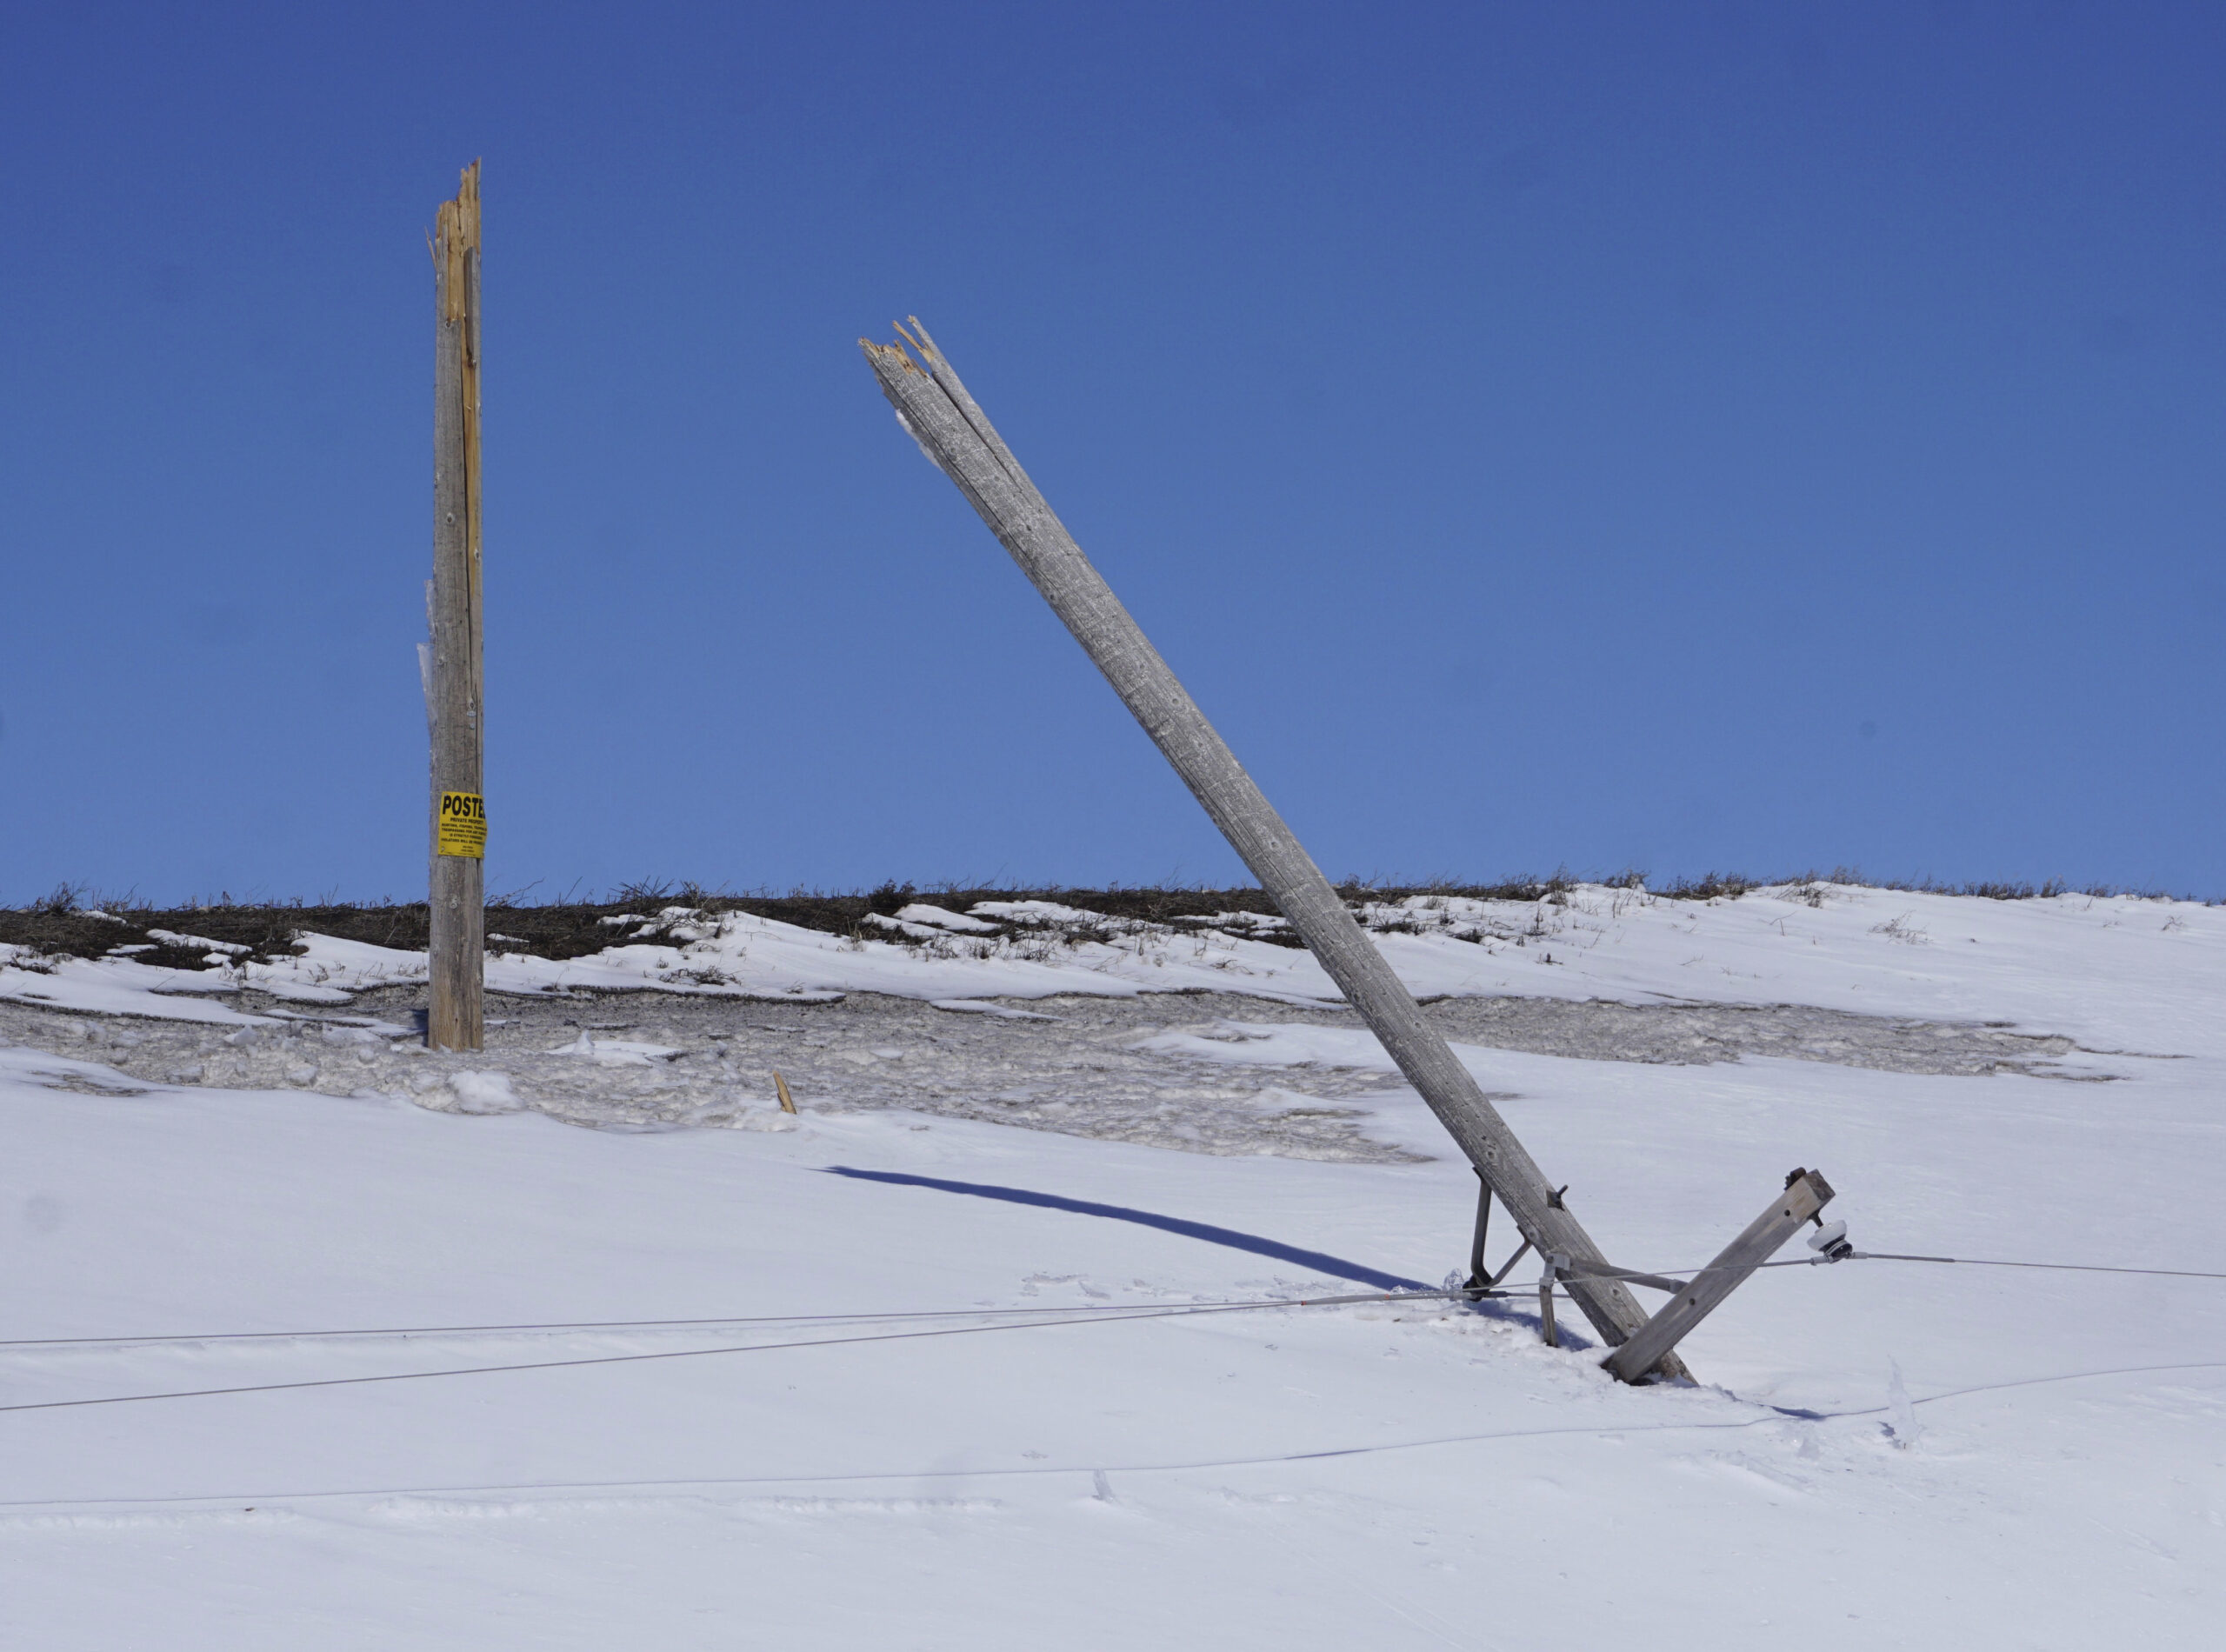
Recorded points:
462,828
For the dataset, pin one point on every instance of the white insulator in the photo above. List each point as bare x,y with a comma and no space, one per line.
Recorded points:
1831,1240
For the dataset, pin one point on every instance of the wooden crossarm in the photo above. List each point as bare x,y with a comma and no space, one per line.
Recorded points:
1806,1193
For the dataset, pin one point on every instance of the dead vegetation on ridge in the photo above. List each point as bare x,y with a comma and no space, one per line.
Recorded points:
76,923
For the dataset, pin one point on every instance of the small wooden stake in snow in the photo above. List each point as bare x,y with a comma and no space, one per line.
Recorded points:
952,428
454,1019
781,1088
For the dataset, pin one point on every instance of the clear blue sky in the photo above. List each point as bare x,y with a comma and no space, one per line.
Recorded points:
1679,436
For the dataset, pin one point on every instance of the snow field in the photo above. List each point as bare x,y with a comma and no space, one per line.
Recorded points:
1169,1481
2092,968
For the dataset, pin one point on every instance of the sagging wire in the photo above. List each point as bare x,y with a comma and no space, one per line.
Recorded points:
1116,1312
2052,1267
1101,1317
1632,1274
1113,1309
639,1324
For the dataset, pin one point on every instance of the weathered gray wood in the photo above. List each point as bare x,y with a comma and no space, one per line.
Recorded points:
456,1017
934,406
1806,1193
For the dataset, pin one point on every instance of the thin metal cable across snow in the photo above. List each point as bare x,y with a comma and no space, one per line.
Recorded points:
2051,1267
1769,1414
1129,1308
1825,1262
1101,1317
1112,1310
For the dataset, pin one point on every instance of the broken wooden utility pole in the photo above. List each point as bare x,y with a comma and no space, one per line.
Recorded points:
457,954
933,406
1806,1194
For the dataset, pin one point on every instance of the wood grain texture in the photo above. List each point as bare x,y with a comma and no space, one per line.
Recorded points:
933,405
455,1014
1806,1193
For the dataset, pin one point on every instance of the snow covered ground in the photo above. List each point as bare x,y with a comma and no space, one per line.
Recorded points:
1883,1454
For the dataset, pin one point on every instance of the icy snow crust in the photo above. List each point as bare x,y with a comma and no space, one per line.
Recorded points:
1887,1456
857,1023
1212,1073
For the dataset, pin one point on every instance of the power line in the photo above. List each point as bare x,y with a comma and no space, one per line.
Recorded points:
1767,1415
1099,1318
2052,1267
1643,1278
1110,1310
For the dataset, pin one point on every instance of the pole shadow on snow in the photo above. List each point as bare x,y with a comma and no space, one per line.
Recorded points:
1319,1261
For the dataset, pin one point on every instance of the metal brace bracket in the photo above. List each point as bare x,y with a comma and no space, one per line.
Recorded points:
1481,1284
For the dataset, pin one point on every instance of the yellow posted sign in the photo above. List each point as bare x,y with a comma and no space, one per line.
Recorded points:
462,826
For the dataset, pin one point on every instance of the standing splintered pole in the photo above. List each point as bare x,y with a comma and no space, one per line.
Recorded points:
933,406
454,1018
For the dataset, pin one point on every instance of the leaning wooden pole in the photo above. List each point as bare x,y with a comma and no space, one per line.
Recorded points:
454,1019
933,406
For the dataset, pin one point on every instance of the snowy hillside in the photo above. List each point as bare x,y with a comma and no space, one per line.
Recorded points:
1041,1125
